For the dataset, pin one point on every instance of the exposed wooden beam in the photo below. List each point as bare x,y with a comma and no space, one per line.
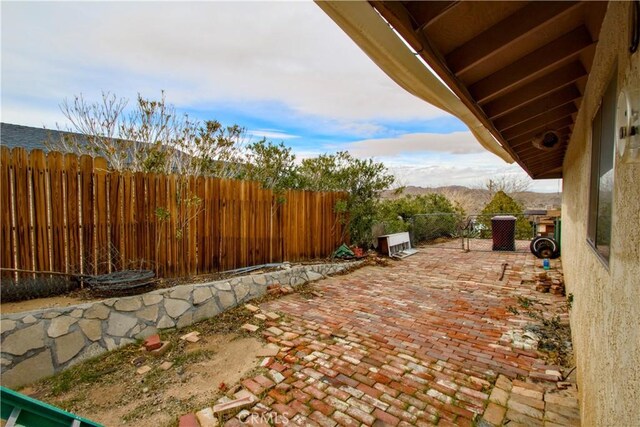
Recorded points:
516,143
526,147
533,156
532,65
540,121
548,160
425,13
396,14
401,20
556,124
549,175
540,167
540,106
510,30
554,173
538,155
514,114
538,88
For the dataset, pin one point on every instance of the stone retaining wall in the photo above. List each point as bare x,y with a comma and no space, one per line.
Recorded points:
37,344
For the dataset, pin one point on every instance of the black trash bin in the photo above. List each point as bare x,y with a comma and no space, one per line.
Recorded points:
503,229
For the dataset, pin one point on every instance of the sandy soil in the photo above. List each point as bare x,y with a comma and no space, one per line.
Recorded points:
154,402
109,391
39,303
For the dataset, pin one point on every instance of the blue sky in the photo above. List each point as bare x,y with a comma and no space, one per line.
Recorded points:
282,70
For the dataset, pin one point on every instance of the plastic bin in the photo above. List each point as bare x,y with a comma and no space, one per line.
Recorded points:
503,230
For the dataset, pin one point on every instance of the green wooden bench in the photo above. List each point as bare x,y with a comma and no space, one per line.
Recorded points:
20,410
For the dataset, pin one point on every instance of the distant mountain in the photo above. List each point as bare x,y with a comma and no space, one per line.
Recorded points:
474,199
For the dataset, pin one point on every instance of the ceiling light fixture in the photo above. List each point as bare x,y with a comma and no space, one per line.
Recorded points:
547,140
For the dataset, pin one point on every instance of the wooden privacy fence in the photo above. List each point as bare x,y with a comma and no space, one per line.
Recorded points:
70,214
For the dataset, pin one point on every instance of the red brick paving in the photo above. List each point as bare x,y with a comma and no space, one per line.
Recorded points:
417,343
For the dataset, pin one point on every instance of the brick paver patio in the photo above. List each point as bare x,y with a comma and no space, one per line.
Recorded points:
422,342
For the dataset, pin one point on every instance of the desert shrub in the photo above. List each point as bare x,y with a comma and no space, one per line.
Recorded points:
503,204
153,136
361,180
426,217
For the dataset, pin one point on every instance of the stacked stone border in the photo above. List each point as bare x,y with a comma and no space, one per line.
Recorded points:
37,344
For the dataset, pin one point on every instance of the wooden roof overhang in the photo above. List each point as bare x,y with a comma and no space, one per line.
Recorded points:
520,67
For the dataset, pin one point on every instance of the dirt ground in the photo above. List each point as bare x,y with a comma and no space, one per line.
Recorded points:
121,396
109,390
39,303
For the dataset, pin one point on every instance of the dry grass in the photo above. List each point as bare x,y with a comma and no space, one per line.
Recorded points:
110,381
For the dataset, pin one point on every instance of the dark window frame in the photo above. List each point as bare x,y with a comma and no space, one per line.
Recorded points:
601,189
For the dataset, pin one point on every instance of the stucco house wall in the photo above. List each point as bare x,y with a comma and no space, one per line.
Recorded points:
605,316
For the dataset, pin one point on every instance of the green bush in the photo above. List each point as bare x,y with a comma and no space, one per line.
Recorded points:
362,180
426,217
503,204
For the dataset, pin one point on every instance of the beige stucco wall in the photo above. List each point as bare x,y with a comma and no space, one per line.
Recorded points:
605,317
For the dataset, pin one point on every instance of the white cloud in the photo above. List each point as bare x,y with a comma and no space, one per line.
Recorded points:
36,116
199,52
455,142
434,160
227,53
271,134
470,170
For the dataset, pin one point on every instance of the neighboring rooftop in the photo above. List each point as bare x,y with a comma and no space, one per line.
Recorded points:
28,137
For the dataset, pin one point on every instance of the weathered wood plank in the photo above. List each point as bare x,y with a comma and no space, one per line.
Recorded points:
7,192
23,208
141,220
172,235
58,194
73,214
102,242
86,216
40,210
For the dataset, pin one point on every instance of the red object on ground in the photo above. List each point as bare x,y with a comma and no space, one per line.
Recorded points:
188,420
153,342
358,252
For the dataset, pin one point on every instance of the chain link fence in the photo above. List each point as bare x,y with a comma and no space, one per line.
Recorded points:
486,234
446,230
477,232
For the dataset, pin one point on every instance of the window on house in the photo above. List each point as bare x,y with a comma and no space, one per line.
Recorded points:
603,136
